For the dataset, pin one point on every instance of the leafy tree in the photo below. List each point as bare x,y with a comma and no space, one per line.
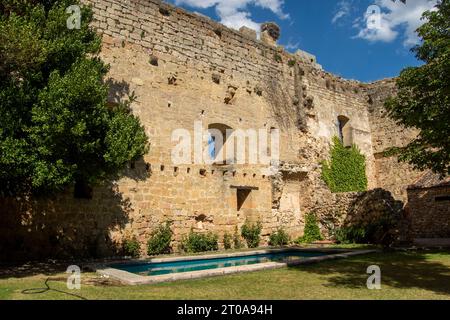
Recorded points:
56,127
423,100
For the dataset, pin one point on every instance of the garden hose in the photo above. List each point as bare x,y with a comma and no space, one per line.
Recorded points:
47,289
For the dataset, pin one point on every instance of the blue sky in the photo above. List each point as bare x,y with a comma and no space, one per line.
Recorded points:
345,35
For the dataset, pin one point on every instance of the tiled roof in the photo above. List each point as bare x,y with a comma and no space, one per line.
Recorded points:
430,180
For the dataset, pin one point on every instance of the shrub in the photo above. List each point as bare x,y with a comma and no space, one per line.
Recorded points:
131,247
349,235
200,242
279,238
227,239
331,224
292,62
380,231
312,230
237,240
346,170
160,239
252,234
277,57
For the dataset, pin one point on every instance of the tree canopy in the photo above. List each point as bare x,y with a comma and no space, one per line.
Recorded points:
423,100
56,127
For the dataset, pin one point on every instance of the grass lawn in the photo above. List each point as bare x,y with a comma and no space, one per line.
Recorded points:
405,275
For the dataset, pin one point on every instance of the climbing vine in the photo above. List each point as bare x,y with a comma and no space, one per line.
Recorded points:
346,169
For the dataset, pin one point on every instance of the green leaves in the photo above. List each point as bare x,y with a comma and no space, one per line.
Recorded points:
160,240
423,100
200,242
279,238
56,127
131,247
312,230
252,233
346,170
125,139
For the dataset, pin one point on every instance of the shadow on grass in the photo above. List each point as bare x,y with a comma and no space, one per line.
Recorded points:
35,268
401,270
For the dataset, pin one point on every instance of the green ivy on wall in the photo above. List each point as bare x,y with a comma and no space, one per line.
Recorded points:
346,170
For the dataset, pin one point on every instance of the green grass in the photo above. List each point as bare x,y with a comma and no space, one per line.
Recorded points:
405,275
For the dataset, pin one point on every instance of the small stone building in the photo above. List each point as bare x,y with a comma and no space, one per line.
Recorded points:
429,210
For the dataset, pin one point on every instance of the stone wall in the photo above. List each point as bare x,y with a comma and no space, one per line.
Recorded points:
386,133
63,227
268,92
186,69
429,212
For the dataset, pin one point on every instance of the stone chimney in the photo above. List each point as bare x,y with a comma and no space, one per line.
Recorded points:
270,33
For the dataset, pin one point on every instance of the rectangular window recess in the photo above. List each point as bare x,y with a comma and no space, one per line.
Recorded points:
242,196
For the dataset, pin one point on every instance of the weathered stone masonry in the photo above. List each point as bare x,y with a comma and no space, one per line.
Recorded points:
184,68
429,209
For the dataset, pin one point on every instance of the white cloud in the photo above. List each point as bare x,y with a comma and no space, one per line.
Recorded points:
292,46
343,10
235,13
396,18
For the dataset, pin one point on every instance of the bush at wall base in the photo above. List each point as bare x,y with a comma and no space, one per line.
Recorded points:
131,247
279,238
379,232
252,234
227,241
160,240
312,230
200,242
237,241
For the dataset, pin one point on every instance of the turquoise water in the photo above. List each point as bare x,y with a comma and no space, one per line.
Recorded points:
155,269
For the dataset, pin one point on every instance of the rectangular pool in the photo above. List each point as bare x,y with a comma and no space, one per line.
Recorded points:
165,268
159,270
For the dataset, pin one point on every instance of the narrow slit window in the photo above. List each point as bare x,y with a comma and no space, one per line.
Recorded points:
345,131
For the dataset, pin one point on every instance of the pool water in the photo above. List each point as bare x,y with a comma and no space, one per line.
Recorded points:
155,269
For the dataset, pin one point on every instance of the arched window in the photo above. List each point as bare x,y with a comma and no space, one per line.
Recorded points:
345,131
218,134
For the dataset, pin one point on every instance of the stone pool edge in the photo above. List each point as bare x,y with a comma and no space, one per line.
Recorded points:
132,279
